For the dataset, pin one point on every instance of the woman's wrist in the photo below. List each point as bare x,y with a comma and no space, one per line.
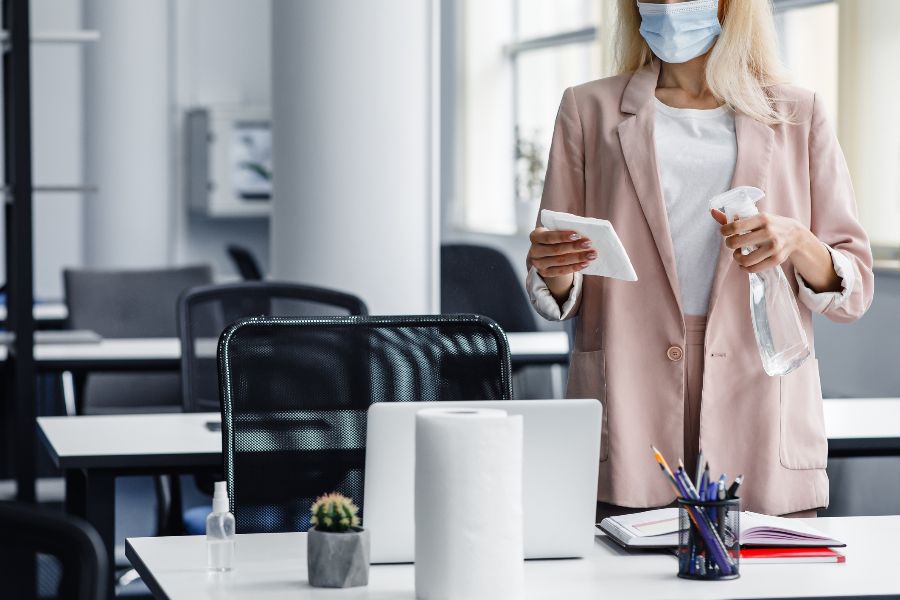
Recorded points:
812,259
561,286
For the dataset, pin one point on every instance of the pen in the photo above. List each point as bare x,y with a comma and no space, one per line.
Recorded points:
699,466
720,489
732,491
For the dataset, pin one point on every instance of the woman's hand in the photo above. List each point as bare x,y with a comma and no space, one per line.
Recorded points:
776,239
557,256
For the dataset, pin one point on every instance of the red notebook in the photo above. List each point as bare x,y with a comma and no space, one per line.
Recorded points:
790,555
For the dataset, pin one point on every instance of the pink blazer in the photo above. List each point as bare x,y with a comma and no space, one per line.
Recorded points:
771,429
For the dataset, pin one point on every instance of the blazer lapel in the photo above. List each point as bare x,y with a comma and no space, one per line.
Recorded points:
755,141
639,151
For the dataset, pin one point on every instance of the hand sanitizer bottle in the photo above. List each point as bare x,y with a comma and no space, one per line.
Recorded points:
773,308
220,531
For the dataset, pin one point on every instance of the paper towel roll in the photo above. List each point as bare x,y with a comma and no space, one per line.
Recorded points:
468,505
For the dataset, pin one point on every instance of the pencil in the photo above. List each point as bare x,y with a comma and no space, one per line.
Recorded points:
664,467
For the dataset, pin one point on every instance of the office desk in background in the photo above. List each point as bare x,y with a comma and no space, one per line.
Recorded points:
47,314
540,348
273,566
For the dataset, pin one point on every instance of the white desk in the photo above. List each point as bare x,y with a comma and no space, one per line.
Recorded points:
93,450
273,567
47,311
545,347
863,426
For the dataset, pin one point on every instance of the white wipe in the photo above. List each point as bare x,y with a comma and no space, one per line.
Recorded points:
612,260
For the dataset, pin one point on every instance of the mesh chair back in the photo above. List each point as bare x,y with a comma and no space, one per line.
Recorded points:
479,279
295,394
129,304
205,312
74,543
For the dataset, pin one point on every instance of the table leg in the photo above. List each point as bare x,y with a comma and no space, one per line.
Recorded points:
75,492
100,511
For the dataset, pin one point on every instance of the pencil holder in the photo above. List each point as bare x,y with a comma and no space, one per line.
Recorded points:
709,539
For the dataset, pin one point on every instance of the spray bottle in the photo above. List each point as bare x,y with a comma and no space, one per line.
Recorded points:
773,308
220,532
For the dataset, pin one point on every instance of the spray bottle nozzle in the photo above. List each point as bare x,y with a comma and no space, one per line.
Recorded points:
738,202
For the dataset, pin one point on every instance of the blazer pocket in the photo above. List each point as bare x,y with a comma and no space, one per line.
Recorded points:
804,444
587,379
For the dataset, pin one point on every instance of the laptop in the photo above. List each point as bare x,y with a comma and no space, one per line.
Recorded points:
560,461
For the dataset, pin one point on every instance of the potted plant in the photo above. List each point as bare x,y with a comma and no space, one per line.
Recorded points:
337,548
530,168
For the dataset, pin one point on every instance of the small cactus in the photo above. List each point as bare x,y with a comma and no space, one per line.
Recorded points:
335,513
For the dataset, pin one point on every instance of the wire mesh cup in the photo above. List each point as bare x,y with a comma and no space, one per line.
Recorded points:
709,539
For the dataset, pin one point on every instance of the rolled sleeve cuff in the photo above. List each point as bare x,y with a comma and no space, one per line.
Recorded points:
544,302
822,301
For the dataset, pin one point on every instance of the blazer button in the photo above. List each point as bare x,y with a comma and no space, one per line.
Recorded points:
675,353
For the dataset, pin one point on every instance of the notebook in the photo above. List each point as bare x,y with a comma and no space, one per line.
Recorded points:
659,529
772,556
612,260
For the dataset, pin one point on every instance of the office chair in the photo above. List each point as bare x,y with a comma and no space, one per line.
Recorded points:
203,314
480,280
295,394
245,263
27,530
860,359
129,304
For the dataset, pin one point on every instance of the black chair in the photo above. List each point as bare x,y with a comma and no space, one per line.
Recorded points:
480,280
245,263
26,531
205,312
295,394
129,304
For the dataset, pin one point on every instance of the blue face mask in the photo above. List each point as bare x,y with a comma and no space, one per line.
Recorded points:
681,31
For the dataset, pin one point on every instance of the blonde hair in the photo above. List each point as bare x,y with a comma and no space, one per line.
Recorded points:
742,65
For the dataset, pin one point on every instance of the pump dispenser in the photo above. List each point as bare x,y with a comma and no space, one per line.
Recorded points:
780,336
220,531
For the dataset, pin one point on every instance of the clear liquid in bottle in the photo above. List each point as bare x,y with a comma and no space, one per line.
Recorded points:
776,322
779,333
220,532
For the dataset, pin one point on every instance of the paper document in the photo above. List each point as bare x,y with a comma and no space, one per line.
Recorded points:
612,260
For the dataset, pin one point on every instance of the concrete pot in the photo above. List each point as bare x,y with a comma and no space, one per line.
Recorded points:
338,560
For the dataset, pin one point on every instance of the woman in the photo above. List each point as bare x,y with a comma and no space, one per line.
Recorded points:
699,108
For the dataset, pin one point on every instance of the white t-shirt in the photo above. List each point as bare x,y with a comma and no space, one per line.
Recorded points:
696,151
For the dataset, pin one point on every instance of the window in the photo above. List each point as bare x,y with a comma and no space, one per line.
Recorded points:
519,57
846,51
808,40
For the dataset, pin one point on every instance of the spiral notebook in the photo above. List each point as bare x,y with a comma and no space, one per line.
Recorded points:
659,529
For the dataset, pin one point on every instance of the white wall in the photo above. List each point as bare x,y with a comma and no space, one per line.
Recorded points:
356,173
127,143
221,56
